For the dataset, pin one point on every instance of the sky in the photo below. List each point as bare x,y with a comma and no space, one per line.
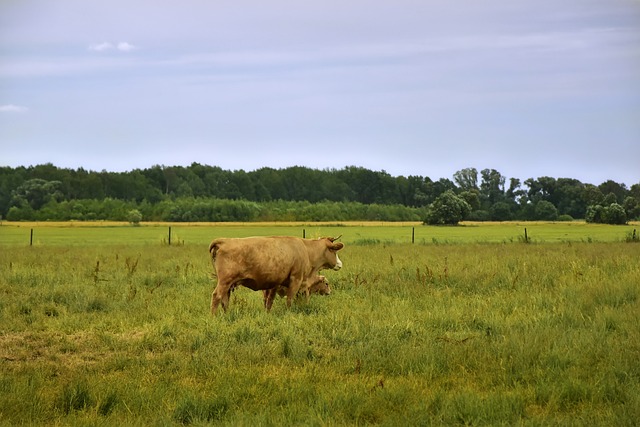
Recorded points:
530,88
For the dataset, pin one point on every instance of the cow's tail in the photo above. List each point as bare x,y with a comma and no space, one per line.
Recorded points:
213,248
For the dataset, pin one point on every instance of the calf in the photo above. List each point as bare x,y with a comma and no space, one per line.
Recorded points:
317,285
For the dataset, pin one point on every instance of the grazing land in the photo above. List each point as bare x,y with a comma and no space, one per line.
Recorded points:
104,232
469,325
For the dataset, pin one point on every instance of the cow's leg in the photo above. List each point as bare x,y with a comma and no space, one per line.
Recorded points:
294,286
225,299
220,294
269,295
214,302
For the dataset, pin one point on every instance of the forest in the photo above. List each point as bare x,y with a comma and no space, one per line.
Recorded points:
208,193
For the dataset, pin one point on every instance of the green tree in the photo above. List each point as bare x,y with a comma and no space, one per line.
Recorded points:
134,217
614,214
25,213
370,186
594,214
515,194
634,192
447,209
10,179
592,195
491,187
543,188
569,197
609,198
466,179
472,197
411,190
36,192
84,185
546,211
631,207
501,211
619,190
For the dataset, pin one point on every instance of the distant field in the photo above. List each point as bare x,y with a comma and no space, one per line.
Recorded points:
88,233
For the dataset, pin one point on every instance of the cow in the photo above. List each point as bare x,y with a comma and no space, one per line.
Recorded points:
317,285
266,263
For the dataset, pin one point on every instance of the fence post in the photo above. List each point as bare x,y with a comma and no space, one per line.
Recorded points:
526,238
31,238
413,234
170,236
304,233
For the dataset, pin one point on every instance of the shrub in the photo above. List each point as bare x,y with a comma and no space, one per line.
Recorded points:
565,217
134,217
447,209
594,214
614,214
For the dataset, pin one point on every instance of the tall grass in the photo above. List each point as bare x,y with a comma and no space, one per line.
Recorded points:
411,335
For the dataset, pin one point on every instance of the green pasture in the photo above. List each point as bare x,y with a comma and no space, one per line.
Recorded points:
352,233
111,326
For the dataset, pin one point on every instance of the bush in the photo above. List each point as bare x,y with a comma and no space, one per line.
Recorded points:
134,217
565,217
21,214
594,214
447,209
614,214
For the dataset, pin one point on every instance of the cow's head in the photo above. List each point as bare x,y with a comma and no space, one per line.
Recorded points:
332,252
320,286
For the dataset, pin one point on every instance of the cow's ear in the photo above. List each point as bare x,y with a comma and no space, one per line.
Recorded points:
336,246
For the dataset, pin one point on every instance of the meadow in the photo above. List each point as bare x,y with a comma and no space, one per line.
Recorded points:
109,325
104,232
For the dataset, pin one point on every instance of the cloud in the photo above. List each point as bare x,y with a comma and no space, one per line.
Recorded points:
100,47
106,46
126,47
10,108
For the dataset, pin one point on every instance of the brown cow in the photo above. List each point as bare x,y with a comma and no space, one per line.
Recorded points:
317,285
265,263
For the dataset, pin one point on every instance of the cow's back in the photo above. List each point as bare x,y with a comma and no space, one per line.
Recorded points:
258,262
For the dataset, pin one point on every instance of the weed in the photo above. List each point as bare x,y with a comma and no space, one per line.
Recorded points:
108,403
131,265
192,410
74,397
97,305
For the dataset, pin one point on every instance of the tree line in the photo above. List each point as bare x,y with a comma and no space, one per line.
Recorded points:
208,193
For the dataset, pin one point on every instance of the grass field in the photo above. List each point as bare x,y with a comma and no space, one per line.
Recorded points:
88,233
111,326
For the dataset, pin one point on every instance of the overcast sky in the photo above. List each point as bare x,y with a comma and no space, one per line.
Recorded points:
528,87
